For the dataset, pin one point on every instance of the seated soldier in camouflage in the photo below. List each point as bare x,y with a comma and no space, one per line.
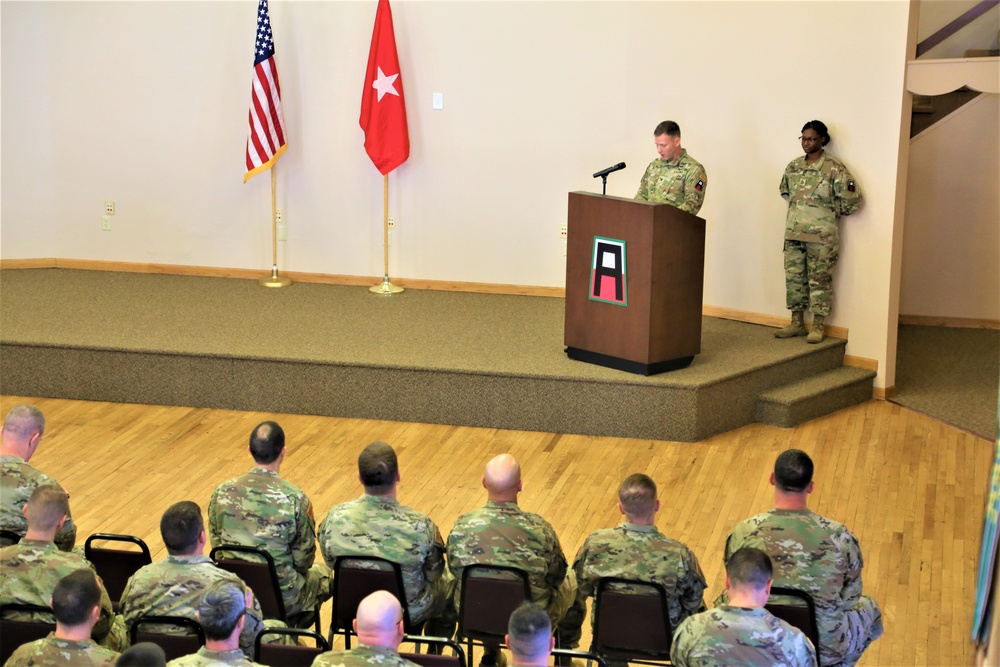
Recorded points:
501,533
222,612
260,509
32,568
636,550
21,435
376,524
815,555
742,632
379,626
174,586
76,603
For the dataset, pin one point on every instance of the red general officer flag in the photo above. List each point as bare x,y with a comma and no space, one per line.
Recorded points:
383,110
266,138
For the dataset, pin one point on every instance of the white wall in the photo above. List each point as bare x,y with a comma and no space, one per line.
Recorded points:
952,236
146,103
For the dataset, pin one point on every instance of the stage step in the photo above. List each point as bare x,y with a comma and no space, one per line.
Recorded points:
796,402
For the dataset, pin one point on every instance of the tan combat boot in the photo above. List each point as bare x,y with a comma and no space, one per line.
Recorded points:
816,330
796,328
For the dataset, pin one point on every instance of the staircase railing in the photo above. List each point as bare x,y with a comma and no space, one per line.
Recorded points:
956,25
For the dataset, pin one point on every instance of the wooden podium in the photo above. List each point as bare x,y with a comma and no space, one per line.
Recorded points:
646,320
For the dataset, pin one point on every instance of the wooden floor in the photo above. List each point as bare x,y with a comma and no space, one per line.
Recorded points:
910,487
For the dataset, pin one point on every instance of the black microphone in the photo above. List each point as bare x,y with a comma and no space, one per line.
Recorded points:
605,172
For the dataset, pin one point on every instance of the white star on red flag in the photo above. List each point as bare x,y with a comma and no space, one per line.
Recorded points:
383,84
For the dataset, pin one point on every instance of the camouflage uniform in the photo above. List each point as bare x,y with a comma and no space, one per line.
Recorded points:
822,558
502,534
380,526
262,510
363,656
53,652
643,553
739,636
174,586
17,480
30,571
817,195
206,657
680,183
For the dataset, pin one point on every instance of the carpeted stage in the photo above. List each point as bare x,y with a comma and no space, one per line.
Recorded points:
424,356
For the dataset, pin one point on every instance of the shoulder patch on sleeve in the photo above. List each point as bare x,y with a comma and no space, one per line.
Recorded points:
850,186
700,185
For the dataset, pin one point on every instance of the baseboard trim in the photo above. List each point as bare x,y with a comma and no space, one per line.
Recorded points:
883,393
776,321
956,322
296,276
861,362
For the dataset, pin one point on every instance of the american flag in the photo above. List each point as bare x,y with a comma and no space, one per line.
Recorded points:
266,140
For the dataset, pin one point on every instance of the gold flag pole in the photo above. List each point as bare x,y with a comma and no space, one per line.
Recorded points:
385,287
275,280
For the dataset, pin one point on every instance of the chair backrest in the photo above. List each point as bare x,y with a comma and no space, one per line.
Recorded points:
802,616
354,579
282,655
116,566
9,537
173,645
490,594
631,625
260,575
437,658
568,655
15,633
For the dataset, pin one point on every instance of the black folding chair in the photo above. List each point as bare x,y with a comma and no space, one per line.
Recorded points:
116,566
563,656
15,632
490,594
435,656
288,655
9,537
801,616
354,579
631,626
189,638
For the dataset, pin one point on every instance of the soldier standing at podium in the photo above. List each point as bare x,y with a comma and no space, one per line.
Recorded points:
819,190
676,178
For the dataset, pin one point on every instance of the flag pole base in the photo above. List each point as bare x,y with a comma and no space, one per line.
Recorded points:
385,287
275,280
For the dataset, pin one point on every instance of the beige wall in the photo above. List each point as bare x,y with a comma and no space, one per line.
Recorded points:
951,240
146,103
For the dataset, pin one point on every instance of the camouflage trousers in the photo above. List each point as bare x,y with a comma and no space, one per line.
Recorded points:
117,638
809,275
315,590
441,617
862,625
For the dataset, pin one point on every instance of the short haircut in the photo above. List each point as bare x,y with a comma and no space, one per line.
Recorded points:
378,467
24,421
180,527
47,504
667,127
75,597
266,442
530,631
819,127
143,654
637,494
221,606
793,470
749,567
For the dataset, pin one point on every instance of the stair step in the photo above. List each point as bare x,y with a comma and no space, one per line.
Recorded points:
796,402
